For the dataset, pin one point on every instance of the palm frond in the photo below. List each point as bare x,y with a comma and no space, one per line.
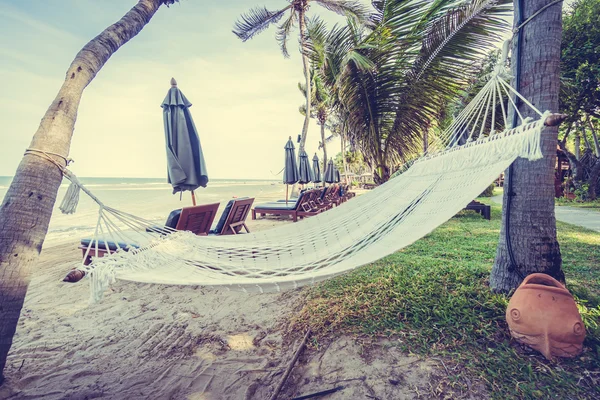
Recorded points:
454,39
255,21
352,8
464,33
283,33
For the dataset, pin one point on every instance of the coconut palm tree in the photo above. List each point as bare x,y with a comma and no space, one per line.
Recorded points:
320,106
394,78
27,207
260,18
528,241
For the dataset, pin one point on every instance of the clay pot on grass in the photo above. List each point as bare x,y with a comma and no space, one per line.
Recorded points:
543,315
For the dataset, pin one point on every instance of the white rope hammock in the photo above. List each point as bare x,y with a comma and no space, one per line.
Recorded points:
358,232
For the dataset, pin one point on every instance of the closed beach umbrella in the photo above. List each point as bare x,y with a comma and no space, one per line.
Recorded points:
290,170
330,172
305,172
185,161
316,169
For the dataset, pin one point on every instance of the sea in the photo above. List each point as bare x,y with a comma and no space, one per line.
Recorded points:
149,198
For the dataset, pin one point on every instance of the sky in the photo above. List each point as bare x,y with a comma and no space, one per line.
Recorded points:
244,95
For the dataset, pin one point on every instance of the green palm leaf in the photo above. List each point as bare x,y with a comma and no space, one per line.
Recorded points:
255,21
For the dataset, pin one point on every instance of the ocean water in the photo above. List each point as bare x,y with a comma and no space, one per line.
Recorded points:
149,198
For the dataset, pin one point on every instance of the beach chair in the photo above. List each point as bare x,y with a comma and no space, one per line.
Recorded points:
196,219
234,217
324,201
346,193
297,209
480,208
334,195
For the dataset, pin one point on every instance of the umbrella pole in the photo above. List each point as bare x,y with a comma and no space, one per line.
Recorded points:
286,194
193,198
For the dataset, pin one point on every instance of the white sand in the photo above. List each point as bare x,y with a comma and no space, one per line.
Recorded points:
181,342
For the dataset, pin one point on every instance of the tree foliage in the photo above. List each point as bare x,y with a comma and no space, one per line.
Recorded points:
580,95
389,81
580,59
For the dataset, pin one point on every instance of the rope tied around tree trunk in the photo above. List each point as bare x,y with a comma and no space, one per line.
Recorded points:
71,199
535,14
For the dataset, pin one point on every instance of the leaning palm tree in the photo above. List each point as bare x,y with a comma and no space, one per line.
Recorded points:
393,79
260,18
320,107
27,206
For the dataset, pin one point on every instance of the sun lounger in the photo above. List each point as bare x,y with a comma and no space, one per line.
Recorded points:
298,209
480,208
196,219
234,217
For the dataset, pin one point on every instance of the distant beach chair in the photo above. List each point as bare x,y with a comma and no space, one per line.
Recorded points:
234,217
196,219
480,208
298,209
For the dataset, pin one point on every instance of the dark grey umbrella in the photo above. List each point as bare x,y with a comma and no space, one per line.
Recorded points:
330,172
316,169
290,170
305,172
185,161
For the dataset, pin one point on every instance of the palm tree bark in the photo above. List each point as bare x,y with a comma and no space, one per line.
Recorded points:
343,144
27,207
532,219
305,67
594,136
324,146
593,181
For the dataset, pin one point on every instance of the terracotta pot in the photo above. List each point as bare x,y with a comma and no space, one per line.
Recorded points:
543,315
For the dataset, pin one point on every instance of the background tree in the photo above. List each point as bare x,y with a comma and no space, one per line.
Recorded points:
580,93
27,207
530,217
320,107
392,79
580,59
258,19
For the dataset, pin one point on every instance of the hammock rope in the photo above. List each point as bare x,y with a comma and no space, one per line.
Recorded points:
390,217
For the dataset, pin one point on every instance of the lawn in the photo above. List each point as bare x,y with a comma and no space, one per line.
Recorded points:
590,205
433,298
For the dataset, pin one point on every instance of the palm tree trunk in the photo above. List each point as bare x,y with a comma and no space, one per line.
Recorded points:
324,145
594,137
593,181
343,144
305,66
27,207
532,220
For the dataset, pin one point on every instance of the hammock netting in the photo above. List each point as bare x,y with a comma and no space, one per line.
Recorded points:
358,232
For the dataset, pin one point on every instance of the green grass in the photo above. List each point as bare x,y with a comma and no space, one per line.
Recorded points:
590,205
433,298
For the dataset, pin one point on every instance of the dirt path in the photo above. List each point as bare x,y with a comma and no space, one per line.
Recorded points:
589,219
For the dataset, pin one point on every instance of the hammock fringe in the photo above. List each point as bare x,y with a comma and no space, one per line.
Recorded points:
71,199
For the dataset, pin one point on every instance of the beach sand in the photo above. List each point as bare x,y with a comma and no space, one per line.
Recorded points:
147,341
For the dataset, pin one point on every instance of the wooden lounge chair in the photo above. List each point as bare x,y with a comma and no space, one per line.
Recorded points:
480,208
324,201
196,219
294,209
334,195
234,217
347,193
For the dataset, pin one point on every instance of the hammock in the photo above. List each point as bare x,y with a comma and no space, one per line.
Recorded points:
371,226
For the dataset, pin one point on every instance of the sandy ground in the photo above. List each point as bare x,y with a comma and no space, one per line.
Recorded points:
184,342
